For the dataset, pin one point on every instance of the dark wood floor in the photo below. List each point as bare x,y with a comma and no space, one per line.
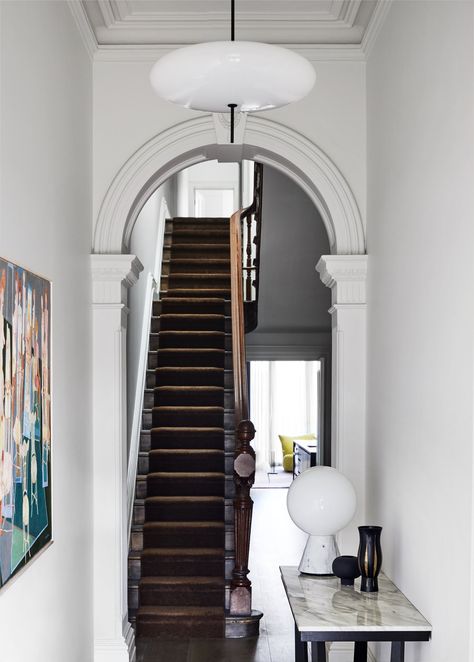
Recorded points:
275,541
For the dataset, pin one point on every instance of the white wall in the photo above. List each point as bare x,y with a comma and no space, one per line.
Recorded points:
146,241
420,313
293,302
127,114
45,211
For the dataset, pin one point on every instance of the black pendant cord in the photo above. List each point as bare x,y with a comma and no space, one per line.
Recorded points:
232,106
232,20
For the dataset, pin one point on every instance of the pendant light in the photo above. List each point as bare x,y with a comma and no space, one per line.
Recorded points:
225,76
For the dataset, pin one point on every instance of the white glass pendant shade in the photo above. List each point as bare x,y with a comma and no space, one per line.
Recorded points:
252,75
321,501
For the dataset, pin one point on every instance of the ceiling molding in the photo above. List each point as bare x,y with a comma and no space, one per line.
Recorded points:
376,21
84,26
313,53
344,13
139,22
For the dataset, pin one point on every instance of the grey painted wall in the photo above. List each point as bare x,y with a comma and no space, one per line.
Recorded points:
293,303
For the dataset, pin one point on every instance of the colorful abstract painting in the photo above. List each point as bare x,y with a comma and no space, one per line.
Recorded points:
25,417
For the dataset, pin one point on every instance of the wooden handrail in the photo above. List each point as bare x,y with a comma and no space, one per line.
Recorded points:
238,324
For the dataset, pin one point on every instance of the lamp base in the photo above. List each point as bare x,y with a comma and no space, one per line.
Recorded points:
318,555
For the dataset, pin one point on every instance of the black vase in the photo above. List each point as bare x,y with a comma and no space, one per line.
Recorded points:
369,557
347,569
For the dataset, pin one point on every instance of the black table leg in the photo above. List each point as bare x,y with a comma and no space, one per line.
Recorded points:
360,651
398,651
318,651
301,648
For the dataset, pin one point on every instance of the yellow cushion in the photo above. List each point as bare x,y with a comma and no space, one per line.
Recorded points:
287,447
288,463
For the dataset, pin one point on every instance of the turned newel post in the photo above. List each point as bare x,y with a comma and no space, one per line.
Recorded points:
244,474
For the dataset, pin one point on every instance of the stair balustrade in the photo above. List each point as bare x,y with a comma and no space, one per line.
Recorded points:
245,227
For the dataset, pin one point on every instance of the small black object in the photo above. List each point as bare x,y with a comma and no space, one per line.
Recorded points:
369,557
346,568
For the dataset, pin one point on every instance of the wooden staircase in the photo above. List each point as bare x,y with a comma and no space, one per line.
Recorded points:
181,556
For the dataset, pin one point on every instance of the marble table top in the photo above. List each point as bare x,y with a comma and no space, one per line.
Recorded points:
321,604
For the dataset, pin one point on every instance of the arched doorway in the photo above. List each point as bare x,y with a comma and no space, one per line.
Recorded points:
114,271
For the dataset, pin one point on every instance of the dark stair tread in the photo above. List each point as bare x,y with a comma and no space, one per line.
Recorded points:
209,291
175,475
201,524
194,350
211,316
186,430
190,552
192,332
181,582
192,408
199,275
186,451
193,368
198,389
200,219
195,300
219,230
183,611
198,245
185,499
198,260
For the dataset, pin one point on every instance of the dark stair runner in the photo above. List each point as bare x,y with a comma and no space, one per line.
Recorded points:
177,564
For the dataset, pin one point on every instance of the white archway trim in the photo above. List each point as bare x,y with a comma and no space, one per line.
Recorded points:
304,162
195,140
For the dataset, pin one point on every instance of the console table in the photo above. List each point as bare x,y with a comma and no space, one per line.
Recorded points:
324,610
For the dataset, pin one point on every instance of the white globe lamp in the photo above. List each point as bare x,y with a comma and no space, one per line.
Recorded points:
321,501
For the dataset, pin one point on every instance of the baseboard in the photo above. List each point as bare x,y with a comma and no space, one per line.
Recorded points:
121,649
343,651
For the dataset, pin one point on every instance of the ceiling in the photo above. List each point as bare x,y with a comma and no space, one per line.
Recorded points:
152,22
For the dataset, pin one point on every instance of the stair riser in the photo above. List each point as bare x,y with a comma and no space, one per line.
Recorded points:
149,486
183,628
195,281
141,538
198,266
210,225
208,307
175,567
188,441
175,597
182,462
172,377
186,418
184,359
157,486
185,293
183,250
197,237
190,323
191,440
183,539
184,512
190,398
170,340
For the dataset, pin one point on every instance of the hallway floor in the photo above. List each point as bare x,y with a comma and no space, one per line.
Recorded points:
275,541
